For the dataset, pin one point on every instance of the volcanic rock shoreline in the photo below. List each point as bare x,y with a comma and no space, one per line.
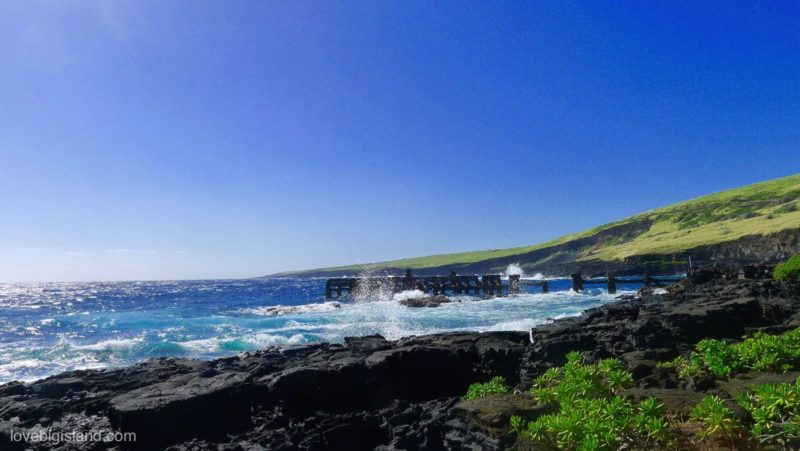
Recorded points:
370,393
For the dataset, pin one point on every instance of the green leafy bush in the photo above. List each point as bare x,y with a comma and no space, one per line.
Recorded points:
496,386
761,352
776,412
717,419
788,270
787,208
578,380
592,414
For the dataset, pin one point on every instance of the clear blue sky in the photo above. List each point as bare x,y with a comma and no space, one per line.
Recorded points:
160,140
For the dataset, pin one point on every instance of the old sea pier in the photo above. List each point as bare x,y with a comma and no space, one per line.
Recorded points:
487,284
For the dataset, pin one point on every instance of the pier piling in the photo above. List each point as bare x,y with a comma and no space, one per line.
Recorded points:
513,284
612,283
577,282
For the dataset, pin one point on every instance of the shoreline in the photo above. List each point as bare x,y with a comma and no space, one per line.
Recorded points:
55,342
369,392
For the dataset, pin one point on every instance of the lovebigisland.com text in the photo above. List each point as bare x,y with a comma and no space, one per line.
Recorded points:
47,436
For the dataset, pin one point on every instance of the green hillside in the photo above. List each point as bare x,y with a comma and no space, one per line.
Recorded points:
754,210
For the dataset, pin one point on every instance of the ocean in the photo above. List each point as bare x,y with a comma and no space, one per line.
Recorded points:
48,328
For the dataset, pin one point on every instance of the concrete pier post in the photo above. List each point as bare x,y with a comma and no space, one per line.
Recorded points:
513,284
545,287
612,283
577,282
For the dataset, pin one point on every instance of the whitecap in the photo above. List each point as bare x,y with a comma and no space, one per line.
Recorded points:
202,346
277,310
408,294
265,340
117,344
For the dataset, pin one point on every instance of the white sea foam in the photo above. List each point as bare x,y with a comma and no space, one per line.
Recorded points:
248,342
265,340
408,294
109,345
519,325
27,370
201,346
277,310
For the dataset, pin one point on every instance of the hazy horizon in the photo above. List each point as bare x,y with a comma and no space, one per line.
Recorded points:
152,141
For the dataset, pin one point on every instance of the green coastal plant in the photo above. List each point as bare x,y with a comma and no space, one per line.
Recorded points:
717,419
775,409
761,352
788,270
495,386
592,414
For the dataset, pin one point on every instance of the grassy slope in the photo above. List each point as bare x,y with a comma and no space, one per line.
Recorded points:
757,209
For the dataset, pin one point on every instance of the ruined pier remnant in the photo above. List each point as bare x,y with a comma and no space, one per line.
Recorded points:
339,285
490,284
612,283
545,286
513,284
611,280
577,281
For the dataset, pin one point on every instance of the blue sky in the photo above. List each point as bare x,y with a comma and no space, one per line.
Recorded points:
161,140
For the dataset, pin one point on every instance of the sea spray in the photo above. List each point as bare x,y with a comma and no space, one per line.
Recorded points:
514,269
408,294
372,287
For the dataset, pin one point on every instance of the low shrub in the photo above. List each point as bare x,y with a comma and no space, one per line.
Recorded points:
495,386
761,352
717,419
788,207
776,413
592,414
788,270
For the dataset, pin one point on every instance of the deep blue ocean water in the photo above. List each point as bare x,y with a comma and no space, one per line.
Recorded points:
46,328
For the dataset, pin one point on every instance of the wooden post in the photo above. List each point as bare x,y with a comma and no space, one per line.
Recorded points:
648,281
577,282
545,286
513,284
612,283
